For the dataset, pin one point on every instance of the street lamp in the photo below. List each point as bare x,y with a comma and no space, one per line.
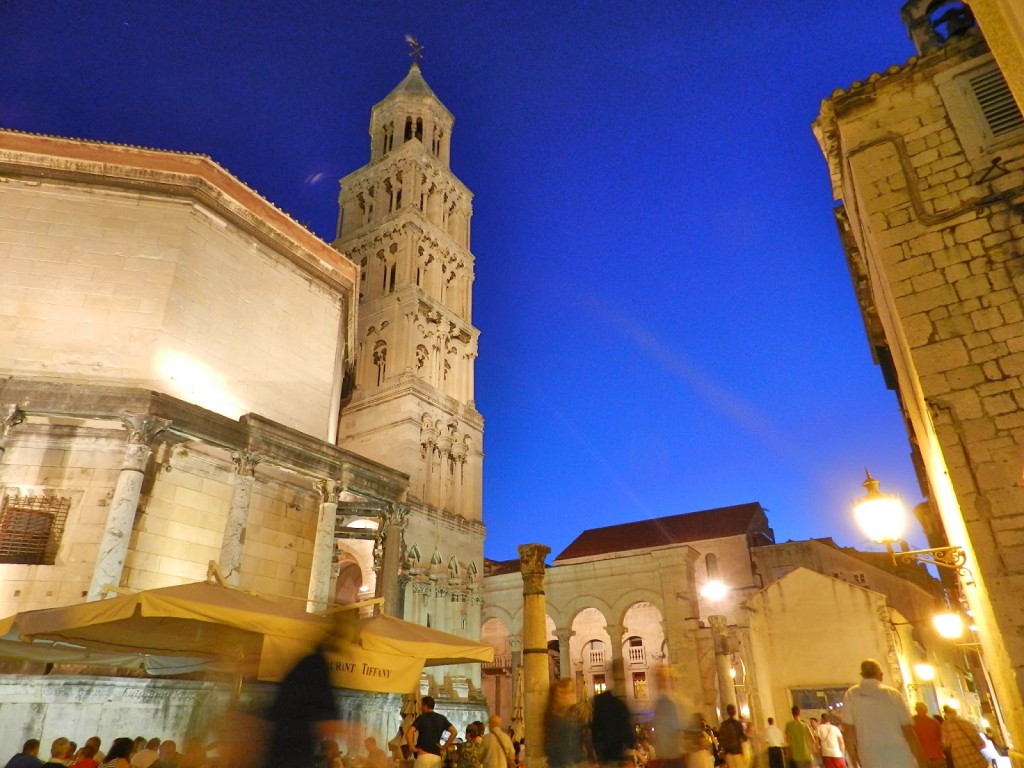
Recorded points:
883,518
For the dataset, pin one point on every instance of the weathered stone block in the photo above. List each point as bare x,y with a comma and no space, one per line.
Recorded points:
941,356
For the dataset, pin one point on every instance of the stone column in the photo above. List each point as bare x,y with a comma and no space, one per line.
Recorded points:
535,650
117,531
614,664
564,660
11,416
387,557
318,596
723,663
233,543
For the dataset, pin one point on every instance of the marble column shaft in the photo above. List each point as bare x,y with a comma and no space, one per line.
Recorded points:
318,596
392,533
233,542
614,663
535,650
723,662
117,531
564,659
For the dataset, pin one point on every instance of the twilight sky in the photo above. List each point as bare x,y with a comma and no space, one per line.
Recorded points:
667,320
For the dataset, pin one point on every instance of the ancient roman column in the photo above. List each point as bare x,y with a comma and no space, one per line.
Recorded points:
723,662
387,560
614,664
233,542
564,659
11,416
142,428
319,592
535,650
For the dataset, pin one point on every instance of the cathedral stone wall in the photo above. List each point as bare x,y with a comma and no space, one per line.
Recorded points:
109,285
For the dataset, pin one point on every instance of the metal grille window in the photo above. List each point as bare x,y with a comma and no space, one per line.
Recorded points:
997,105
31,528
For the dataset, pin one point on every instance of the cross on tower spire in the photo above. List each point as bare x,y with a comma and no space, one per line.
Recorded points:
415,48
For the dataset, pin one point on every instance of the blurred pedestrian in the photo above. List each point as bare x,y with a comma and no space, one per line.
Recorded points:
669,723
929,736
731,736
776,745
878,730
58,753
611,731
799,741
830,740
963,740
563,731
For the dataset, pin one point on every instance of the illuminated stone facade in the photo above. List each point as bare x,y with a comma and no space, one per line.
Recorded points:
926,160
405,221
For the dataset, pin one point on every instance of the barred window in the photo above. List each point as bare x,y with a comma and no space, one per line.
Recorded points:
31,528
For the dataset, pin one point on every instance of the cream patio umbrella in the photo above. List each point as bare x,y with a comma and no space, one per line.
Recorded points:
200,620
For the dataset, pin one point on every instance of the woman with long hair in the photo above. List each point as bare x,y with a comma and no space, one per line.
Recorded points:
119,754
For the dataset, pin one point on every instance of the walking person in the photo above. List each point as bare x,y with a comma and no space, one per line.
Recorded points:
563,732
962,740
425,734
879,732
830,740
669,724
498,751
731,736
929,736
799,741
776,745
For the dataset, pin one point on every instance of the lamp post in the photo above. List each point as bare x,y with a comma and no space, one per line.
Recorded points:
883,518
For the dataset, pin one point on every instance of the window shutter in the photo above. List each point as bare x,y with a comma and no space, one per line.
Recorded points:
997,105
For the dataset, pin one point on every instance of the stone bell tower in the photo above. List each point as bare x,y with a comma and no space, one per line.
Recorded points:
405,221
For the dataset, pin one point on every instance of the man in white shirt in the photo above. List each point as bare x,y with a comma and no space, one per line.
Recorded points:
832,746
879,731
497,749
776,745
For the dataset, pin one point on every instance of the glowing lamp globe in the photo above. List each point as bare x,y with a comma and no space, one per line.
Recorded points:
881,516
714,590
949,625
924,672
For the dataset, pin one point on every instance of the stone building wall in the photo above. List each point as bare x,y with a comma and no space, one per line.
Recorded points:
158,291
933,226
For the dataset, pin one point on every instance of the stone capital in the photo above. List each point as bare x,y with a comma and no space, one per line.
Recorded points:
142,427
531,565
245,463
564,635
11,415
328,491
394,515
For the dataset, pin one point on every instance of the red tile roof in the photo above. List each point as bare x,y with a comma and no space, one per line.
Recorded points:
736,520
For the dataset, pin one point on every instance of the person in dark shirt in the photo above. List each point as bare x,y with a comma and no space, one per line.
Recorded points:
611,731
731,737
425,734
303,713
28,757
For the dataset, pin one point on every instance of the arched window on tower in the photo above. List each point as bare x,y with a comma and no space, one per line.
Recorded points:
408,129
391,278
419,128
380,360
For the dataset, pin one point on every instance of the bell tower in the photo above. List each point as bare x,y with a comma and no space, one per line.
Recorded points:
404,220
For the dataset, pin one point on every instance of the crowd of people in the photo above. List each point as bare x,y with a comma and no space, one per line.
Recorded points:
124,752
876,731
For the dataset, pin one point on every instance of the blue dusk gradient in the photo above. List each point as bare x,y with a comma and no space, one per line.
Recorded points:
667,319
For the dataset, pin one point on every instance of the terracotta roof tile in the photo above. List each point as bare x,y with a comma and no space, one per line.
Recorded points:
716,523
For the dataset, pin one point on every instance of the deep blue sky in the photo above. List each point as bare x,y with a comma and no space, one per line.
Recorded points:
667,319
